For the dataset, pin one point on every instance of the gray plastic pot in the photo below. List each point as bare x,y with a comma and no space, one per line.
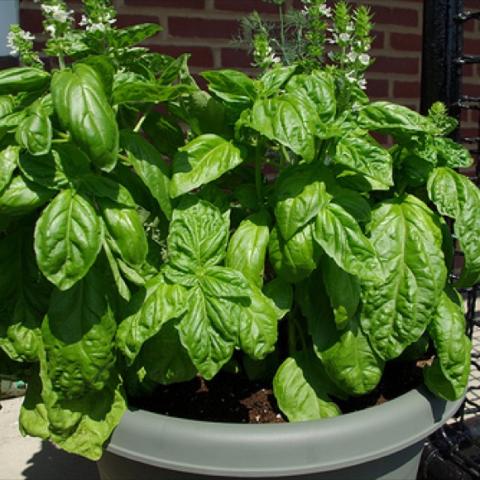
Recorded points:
382,442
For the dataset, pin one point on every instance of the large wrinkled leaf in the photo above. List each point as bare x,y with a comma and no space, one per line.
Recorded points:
22,79
79,426
8,163
300,193
24,295
272,80
91,123
198,235
363,155
281,293
231,86
68,237
21,196
408,239
247,248
35,133
394,119
201,161
104,188
340,236
447,377
319,87
150,167
7,105
301,388
258,329
165,359
343,290
457,197
78,333
290,120
296,258
452,154
156,305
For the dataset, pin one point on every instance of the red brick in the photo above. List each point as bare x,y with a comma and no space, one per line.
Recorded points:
236,58
403,89
471,89
202,28
377,88
31,20
378,39
408,66
196,4
395,16
408,42
246,6
128,20
471,46
200,56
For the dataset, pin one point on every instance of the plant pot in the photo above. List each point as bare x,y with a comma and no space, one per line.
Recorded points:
383,442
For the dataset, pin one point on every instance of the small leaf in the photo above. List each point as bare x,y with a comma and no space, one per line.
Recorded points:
231,86
201,161
35,133
8,163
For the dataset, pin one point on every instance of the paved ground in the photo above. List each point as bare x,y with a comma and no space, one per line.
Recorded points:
30,458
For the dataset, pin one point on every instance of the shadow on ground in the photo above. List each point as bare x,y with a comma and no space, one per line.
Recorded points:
50,463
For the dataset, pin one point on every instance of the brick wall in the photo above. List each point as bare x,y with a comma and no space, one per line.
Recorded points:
206,28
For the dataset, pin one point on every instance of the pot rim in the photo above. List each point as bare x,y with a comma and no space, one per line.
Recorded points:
264,450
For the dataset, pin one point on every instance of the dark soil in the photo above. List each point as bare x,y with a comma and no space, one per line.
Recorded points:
233,398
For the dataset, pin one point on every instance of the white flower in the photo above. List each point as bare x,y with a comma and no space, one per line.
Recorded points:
11,43
362,84
364,59
83,21
96,27
344,37
57,13
352,57
350,27
51,30
350,76
325,11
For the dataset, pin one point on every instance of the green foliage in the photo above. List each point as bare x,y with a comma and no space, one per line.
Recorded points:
151,232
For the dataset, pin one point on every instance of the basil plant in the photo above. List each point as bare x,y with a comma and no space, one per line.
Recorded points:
152,231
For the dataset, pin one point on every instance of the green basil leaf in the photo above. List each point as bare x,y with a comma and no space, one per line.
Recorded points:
290,120
125,228
340,236
448,375
223,282
8,163
150,167
22,79
346,354
78,333
21,197
319,87
198,236
231,86
457,197
209,330
296,258
155,306
274,79
201,161
106,188
363,155
24,295
258,329
91,123
394,119
165,359
68,237
7,105
281,293
300,388
44,170
452,154
408,239
122,287
74,163
104,68
343,290
35,133
132,35
353,203
248,247
164,133
300,193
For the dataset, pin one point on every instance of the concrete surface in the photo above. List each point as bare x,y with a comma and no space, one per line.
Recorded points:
31,458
